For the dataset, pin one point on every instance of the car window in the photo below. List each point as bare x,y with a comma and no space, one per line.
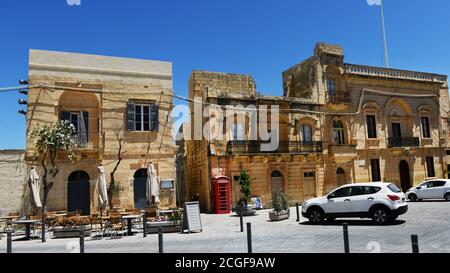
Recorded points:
394,188
371,190
344,192
439,184
358,191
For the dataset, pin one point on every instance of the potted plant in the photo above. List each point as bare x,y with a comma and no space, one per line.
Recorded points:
243,206
280,204
70,227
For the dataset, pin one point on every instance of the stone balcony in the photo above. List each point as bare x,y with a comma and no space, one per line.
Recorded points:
379,72
253,147
342,153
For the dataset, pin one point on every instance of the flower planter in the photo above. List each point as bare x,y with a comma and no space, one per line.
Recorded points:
70,232
168,226
279,215
248,211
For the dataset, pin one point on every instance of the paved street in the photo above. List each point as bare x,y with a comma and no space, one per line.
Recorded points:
429,220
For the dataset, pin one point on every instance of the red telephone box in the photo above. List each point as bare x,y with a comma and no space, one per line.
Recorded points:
221,195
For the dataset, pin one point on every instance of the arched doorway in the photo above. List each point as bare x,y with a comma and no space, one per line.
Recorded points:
341,177
405,176
277,182
140,189
78,193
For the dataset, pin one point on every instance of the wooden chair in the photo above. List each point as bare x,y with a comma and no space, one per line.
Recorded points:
115,225
97,226
37,225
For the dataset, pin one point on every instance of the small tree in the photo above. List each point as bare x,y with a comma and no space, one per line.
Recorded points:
244,181
51,139
280,201
112,185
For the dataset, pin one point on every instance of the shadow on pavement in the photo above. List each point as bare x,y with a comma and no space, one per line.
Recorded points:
353,223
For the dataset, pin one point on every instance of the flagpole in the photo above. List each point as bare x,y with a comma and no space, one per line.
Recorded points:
386,59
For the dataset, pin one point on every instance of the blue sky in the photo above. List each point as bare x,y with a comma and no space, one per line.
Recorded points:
257,37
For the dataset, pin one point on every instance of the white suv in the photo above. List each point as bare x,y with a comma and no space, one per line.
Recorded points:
383,202
431,189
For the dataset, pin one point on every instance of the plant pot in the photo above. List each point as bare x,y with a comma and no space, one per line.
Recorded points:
70,232
279,215
246,211
167,226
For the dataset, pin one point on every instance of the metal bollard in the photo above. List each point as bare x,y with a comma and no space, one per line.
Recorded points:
415,244
160,240
82,241
298,212
241,216
43,229
9,242
249,238
144,225
346,241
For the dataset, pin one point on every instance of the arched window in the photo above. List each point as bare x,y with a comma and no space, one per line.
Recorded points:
338,133
276,174
306,132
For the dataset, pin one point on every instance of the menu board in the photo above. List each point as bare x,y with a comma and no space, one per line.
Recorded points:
191,217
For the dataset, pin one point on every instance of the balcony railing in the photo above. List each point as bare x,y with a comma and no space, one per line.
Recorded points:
255,147
397,142
337,97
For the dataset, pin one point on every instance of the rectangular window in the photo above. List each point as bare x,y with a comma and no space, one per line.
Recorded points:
79,120
375,168
331,87
167,184
309,174
306,133
142,117
426,127
371,126
430,166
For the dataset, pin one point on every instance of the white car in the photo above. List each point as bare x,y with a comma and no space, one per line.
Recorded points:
431,189
383,202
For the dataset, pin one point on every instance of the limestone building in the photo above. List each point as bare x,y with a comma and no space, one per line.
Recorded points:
100,96
338,123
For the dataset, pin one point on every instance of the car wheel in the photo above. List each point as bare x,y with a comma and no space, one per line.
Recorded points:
315,216
412,198
447,197
380,216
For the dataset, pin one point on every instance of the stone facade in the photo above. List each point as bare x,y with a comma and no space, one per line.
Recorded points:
339,123
112,94
13,172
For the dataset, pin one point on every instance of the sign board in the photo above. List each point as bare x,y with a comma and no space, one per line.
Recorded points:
191,217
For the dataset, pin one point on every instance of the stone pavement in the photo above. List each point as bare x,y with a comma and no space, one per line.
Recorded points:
429,220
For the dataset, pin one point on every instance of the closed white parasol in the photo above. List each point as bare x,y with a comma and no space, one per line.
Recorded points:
33,181
152,185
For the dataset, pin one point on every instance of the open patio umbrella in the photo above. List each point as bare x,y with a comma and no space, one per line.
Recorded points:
152,185
101,186
33,182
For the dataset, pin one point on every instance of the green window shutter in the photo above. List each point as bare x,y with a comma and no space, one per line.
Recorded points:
86,123
154,117
131,124
64,115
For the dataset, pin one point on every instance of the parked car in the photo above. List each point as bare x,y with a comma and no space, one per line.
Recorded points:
383,202
431,189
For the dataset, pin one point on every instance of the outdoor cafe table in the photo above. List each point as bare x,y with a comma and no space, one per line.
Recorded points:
8,219
27,224
129,219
